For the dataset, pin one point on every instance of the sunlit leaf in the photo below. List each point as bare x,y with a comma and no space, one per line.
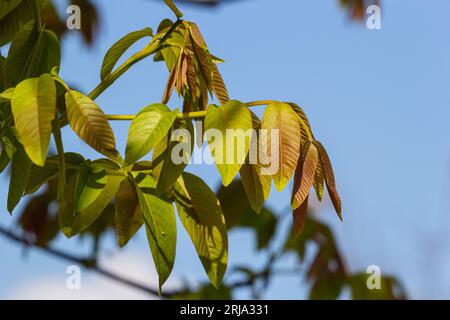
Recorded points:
279,119
32,53
229,131
118,49
202,217
304,174
33,105
148,128
89,122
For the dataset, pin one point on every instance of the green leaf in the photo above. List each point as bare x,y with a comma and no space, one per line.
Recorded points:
39,175
281,118
390,288
61,157
97,191
12,20
128,217
118,49
199,211
228,149
319,181
304,174
6,95
159,217
328,287
178,143
219,85
305,127
20,170
149,126
66,212
32,53
33,105
256,183
6,6
90,123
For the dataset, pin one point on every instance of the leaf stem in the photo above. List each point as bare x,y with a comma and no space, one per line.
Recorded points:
186,115
147,51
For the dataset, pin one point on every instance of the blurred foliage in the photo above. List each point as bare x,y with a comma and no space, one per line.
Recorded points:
319,260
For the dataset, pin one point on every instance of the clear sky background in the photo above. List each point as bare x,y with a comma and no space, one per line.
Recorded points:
378,100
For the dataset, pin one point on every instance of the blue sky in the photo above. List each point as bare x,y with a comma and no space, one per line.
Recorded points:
378,100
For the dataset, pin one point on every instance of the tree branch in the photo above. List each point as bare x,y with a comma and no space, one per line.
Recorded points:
87,263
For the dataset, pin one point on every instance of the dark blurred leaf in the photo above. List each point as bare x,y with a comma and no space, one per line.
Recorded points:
206,292
327,287
390,288
20,170
36,219
238,213
128,217
90,21
16,19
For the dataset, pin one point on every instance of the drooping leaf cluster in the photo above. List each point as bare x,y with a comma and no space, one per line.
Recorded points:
35,103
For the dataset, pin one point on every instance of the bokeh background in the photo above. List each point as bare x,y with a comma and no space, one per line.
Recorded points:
379,101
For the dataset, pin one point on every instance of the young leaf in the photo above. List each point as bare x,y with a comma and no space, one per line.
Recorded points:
256,184
329,179
171,155
159,217
229,130
281,117
128,217
118,49
33,105
305,127
148,128
300,214
319,181
199,211
304,174
90,123
20,170
219,85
